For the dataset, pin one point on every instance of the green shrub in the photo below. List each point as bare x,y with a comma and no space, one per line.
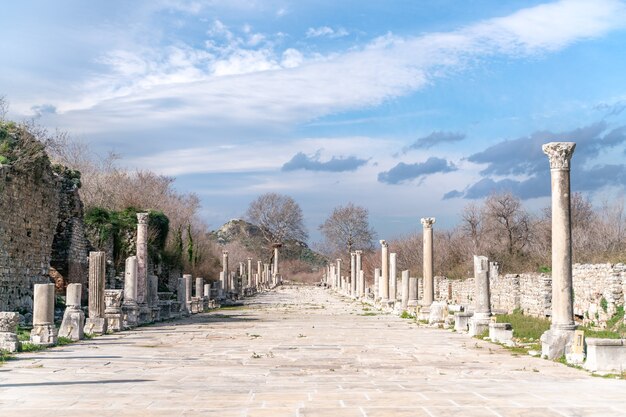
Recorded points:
525,327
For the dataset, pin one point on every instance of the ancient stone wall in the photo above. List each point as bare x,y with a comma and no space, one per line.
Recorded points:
29,203
598,292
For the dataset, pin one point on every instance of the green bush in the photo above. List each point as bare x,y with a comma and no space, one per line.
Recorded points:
525,327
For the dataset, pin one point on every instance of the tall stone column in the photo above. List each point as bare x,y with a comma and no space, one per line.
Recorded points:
353,274
482,303
393,277
249,271
276,273
97,322
405,289
44,332
187,279
153,298
266,274
73,317
333,277
429,287
145,313
130,308
182,297
384,276
199,287
338,272
225,270
556,341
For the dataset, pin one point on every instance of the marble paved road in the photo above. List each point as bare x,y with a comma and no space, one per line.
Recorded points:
297,351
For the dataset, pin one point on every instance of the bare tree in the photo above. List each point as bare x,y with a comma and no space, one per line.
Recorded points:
347,228
279,217
507,221
472,224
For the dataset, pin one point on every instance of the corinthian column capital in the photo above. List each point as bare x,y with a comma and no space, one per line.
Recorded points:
559,153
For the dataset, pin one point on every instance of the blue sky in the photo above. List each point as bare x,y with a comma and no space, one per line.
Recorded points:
409,108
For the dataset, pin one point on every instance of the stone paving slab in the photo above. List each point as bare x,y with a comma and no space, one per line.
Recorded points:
297,351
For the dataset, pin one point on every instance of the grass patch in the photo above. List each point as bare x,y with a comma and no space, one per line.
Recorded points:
31,347
483,335
62,341
406,315
615,327
23,334
5,356
525,328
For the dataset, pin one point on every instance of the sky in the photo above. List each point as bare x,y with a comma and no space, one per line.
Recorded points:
408,108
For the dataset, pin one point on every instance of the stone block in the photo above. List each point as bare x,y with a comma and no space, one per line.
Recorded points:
556,343
44,334
501,333
73,324
461,321
606,355
113,310
8,331
95,325
130,315
438,312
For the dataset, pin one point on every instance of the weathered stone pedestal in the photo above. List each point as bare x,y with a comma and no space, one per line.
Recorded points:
438,312
113,310
501,333
461,321
8,331
73,317
479,323
130,308
44,332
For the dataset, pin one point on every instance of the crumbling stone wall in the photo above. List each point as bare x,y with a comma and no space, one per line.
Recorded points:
598,292
29,205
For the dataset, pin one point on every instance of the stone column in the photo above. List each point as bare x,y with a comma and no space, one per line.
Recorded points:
142,267
259,272
225,270
207,291
182,296
384,276
199,287
153,298
405,289
96,323
331,275
276,273
73,317
266,274
377,284
393,277
188,278
429,287
353,274
44,332
482,303
222,283
412,292
338,272
8,331
130,308
361,284
250,276
557,341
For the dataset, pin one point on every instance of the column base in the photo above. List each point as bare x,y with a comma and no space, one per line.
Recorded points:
130,316
73,324
556,342
95,325
478,326
145,314
44,334
9,342
438,312
114,319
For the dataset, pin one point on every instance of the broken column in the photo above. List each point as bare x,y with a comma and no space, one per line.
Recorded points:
376,284
479,322
405,289
182,297
339,277
8,331
44,332
250,275
353,274
153,298
557,341
412,292
130,308
73,317
113,309
259,273
145,313
393,278
187,279
384,276
96,323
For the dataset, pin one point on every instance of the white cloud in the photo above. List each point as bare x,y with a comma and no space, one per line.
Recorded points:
326,31
233,83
